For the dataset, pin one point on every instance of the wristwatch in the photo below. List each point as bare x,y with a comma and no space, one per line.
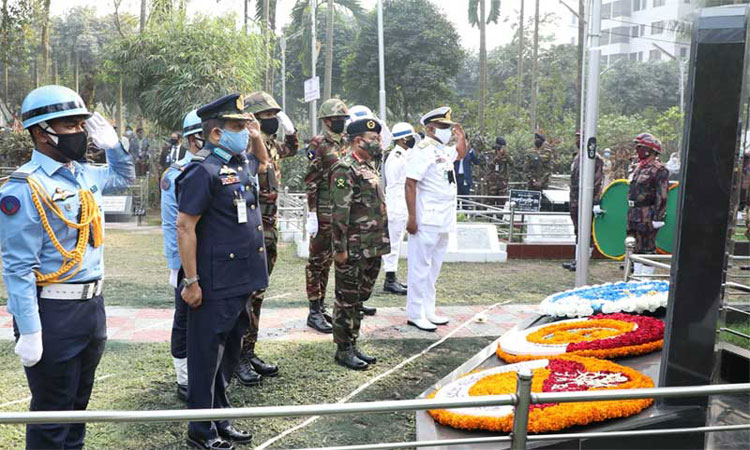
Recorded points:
187,282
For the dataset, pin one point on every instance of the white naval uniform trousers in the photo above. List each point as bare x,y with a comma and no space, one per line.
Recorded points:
431,165
395,202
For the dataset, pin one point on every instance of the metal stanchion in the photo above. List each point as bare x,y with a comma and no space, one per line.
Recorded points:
629,248
512,219
521,413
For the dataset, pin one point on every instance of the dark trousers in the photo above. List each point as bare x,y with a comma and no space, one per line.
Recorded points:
178,340
463,187
74,333
214,340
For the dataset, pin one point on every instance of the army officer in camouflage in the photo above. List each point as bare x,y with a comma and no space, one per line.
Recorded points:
360,236
647,198
252,369
538,164
324,151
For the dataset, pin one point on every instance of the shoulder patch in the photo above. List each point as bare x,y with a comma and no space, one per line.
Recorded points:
310,154
341,182
165,183
10,205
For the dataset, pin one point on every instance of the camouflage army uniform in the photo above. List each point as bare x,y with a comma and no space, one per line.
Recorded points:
324,151
498,175
647,200
538,167
360,228
268,194
575,176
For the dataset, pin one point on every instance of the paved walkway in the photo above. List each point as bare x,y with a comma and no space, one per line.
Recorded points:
289,324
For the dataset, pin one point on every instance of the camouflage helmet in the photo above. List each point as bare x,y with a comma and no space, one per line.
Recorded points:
333,107
649,141
260,101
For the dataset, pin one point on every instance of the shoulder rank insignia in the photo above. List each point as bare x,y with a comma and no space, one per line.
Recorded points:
10,205
61,195
226,170
340,182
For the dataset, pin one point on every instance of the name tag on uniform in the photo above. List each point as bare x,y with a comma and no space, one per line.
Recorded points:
231,179
497,167
241,211
368,175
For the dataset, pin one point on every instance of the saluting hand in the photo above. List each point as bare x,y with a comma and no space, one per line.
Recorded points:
253,126
192,295
458,131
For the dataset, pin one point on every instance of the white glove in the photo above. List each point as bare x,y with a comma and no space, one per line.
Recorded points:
29,348
657,224
598,210
173,277
312,224
285,122
101,132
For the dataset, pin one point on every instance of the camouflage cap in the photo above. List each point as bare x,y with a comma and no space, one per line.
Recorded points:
333,107
261,101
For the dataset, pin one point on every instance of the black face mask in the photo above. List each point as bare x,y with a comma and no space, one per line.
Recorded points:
173,141
337,126
72,146
199,142
410,142
269,126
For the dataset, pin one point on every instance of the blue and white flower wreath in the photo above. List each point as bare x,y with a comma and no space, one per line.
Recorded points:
632,297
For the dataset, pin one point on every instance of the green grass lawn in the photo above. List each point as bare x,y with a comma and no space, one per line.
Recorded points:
140,377
136,276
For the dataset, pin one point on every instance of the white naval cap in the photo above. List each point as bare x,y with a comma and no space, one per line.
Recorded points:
440,115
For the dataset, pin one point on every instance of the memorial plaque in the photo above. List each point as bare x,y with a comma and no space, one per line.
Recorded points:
473,238
116,204
528,201
549,229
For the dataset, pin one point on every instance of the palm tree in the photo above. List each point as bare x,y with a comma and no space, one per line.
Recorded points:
301,14
478,18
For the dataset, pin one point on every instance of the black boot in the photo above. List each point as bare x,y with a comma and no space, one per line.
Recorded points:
345,356
368,310
392,285
572,266
262,367
315,319
246,375
364,356
566,265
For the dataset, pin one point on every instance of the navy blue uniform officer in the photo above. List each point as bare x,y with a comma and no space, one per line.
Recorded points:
220,240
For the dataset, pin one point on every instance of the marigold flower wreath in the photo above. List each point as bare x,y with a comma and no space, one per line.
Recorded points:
631,296
604,336
559,374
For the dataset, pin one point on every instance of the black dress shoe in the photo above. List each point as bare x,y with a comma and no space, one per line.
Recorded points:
262,367
345,357
394,287
364,356
231,433
209,444
246,375
182,390
368,310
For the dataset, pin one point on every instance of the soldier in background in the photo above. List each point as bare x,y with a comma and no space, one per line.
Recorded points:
252,369
360,236
498,172
538,165
608,167
323,152
575,176
647,198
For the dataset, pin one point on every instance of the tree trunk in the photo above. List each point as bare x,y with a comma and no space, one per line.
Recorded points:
535,71
45,42
57,77
482,65
579,68
119,122
244,23
267,27
519,82
4,46
144,10
76,70
329,52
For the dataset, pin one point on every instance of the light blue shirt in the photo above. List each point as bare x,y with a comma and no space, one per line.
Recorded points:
169,212
27,247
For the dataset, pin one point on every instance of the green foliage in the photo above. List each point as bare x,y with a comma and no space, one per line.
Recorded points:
180,65
15,148
422,57
491,15
630,88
